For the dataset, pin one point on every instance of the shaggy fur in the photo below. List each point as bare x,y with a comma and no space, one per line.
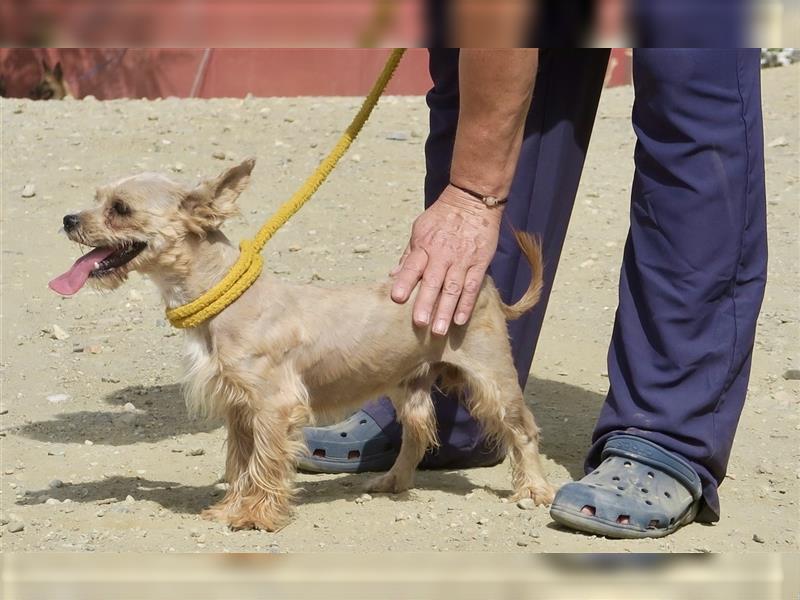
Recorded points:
283,356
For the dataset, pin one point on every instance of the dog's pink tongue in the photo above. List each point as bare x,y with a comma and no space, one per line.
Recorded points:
71,281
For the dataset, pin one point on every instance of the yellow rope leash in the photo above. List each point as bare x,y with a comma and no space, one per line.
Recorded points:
249,264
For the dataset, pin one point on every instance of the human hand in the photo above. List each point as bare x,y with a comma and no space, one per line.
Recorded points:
451,246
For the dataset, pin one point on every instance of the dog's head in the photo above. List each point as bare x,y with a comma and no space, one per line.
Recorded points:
52,85
147,223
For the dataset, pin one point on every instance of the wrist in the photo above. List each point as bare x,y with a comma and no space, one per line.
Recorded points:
457,198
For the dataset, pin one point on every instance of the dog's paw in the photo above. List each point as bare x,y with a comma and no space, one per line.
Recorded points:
248,520
217,512
541,494
388,483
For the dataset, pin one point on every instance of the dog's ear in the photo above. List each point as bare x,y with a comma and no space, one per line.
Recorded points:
58,73
212,202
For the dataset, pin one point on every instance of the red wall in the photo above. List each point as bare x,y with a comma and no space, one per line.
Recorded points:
151,73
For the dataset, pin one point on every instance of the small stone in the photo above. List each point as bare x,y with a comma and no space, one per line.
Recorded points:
397,136
3,411
703,549
130,408
129,499
758,539
363,498
587,263
55,483
88,443
29,191
57,333
526,504
95,349
109,380
778,142
195,452
295,248
482,521
361,249
100,514
55,453
522,543
219,155
52,501
58,398
15,526
401,516
792,374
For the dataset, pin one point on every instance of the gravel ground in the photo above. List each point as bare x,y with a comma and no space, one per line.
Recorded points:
97,451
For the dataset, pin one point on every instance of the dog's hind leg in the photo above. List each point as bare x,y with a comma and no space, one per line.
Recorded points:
415,413
495,400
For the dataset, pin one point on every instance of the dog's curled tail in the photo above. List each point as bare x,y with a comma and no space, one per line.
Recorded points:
532,249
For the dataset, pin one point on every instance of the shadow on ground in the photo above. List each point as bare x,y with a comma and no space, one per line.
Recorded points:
566,415
191,499
161,414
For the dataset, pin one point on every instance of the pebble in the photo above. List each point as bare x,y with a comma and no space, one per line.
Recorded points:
15,526
3,411
95,349
401,516
129,407
778,142
526,504
57,333
129,499
58,398
88,443
397,136
219,155
55,483
29,191
792,374
363,498
52,501
521,542
195,452
361,249
758,539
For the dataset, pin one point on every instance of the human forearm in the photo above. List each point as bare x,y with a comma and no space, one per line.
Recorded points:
496,86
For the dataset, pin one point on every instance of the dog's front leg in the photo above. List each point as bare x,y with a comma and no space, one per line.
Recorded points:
239,424
261,496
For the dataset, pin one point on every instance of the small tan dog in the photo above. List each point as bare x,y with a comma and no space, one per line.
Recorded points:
285,355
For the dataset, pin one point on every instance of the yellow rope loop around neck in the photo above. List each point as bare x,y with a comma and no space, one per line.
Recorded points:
250,263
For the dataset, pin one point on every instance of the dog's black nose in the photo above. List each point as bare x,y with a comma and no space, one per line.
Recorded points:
71,222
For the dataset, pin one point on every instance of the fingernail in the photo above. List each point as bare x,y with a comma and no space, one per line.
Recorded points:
440,327
461,318
398,293
423,318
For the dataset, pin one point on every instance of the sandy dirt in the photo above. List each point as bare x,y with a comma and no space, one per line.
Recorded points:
97,451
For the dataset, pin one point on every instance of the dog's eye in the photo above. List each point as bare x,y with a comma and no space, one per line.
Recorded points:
120,208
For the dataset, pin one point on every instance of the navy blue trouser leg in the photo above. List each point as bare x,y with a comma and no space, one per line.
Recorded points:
694,266
543,191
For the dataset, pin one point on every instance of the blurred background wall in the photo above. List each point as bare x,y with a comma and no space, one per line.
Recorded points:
227,72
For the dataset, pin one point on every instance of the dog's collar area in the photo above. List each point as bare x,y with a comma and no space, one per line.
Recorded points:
242,275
